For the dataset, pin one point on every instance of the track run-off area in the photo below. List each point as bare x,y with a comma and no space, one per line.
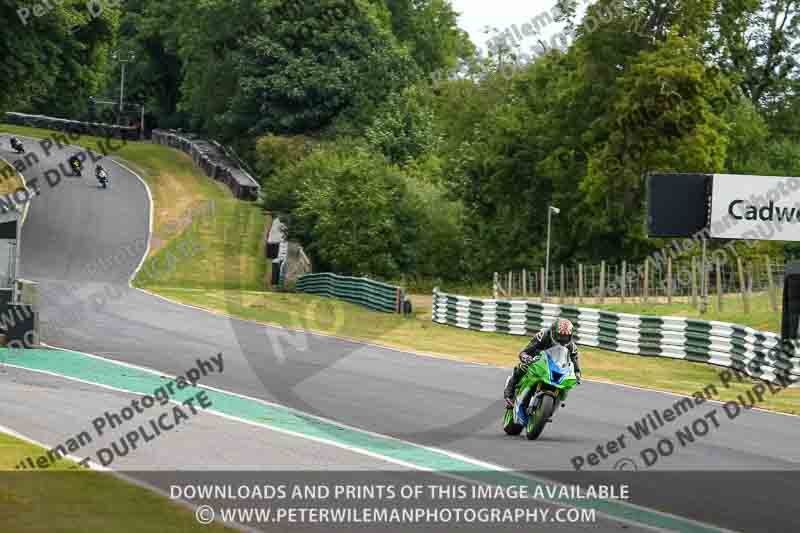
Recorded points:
284,400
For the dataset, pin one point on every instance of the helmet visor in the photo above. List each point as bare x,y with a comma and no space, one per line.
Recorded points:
563,339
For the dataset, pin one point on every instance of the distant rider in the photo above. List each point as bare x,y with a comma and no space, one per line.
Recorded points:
560,332
16,145
102,177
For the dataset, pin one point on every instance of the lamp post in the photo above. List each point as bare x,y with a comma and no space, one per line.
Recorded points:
124,59
550,211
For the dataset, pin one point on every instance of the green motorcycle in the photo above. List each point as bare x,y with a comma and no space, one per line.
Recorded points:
540,392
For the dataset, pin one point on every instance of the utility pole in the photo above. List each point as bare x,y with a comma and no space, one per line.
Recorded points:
550,211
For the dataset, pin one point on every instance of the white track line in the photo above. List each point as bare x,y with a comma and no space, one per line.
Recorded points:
119,475
150,219
29,440
362,451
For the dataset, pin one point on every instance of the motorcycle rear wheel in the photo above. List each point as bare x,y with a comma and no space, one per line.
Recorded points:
540,417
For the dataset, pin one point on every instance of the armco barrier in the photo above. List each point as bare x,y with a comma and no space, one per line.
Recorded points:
73,126
758,354
362,291
213,160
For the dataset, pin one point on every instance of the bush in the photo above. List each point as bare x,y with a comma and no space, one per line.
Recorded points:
356,214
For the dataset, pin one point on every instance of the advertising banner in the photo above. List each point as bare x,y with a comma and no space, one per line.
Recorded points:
755,207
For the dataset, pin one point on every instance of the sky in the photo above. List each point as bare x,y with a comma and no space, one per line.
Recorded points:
501,14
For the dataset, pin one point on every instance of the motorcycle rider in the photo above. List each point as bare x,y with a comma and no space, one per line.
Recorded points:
75,164
102,177
559,332
16,145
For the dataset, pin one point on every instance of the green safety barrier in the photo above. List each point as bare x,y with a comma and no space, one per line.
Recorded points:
361,291
758,354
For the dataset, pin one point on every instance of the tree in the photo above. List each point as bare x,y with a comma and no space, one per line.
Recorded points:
56,59
149,29
290,67
758,42
430,30
352,213
404,127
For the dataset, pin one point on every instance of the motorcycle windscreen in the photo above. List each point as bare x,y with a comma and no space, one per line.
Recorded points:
558,363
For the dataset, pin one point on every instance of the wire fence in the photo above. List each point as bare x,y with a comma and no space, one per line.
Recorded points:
645,282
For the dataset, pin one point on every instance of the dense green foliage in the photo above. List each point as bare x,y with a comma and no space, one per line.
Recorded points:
53,59
242,68
359,215
392,148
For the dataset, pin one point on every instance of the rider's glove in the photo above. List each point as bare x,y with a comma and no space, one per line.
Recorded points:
526,358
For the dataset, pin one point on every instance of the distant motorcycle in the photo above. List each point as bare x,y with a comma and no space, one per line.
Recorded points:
77,166
17,146
102,178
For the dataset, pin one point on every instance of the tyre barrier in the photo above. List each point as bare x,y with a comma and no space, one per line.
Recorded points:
361,291
212,159
758,354
73,126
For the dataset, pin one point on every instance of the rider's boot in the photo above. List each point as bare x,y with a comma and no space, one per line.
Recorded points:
511,385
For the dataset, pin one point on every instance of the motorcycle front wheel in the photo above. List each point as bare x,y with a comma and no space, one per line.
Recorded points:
540,417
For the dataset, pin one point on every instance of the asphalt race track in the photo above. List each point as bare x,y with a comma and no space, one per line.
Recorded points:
719,479
64,408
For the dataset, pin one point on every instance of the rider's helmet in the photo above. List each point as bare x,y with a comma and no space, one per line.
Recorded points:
100,169
561,332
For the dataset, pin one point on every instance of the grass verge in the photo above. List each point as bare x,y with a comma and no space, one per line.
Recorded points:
11,184
63,499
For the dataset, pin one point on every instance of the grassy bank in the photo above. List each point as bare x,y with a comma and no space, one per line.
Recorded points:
66,499
418,333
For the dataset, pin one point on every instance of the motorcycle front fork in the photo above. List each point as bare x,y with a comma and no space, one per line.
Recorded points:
534,401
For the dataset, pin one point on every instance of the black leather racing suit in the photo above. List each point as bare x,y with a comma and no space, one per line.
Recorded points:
540,342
